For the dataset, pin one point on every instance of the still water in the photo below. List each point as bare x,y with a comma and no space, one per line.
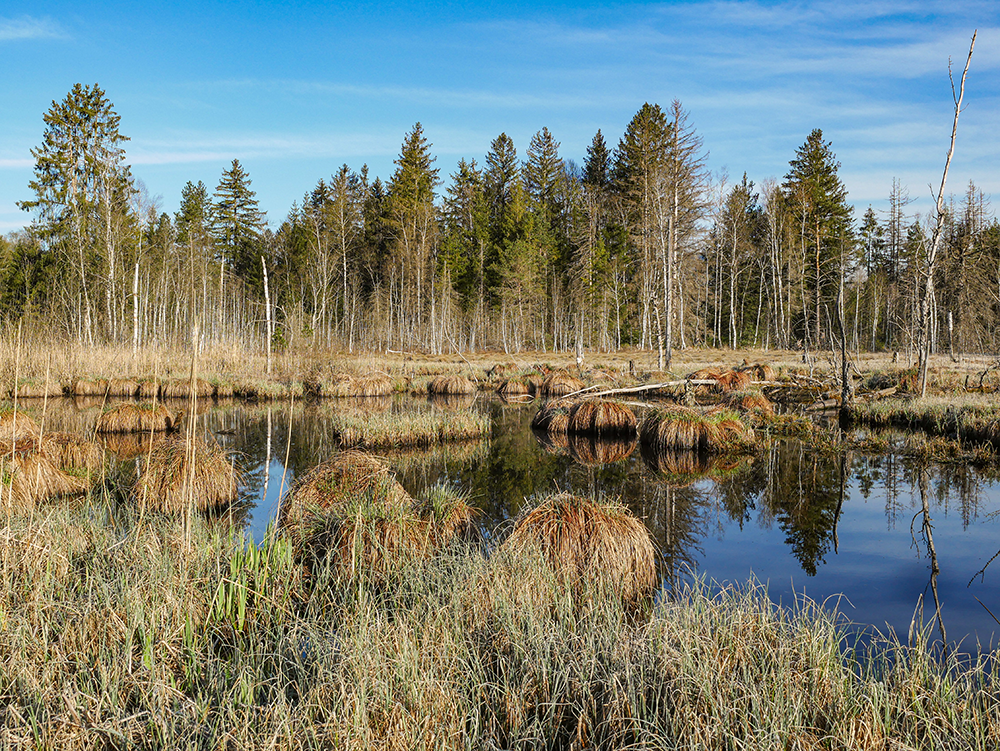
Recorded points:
861,532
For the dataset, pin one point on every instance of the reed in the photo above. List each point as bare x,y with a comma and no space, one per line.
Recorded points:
136,418
179,473
588,542
602,418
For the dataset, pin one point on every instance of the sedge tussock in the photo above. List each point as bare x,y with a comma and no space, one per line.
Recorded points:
181,388
674,427
602,418
32,389
28,477
518,386
89,387
15,425
553,416
178,473
749,400
389,431
451,385
588,543
369,385
560,383
70,451
136,418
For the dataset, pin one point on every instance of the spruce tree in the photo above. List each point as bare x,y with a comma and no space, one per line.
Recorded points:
236,225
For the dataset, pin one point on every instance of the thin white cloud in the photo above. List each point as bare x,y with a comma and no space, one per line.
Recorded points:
15,163
26,27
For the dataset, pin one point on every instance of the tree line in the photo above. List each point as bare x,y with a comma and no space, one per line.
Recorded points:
638,246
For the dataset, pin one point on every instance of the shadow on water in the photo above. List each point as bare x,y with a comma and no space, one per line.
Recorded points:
887,533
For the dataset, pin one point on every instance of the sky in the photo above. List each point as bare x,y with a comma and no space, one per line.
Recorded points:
295,89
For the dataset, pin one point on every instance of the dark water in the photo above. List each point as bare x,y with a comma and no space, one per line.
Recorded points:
861,532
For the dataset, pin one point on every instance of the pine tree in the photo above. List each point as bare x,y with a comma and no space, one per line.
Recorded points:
82,190
818,199
236,226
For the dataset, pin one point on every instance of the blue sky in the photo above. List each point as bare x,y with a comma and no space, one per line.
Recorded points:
296,89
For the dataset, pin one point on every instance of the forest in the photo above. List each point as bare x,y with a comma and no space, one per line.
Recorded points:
640,246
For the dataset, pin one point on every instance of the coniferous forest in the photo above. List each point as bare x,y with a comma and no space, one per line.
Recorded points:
639,246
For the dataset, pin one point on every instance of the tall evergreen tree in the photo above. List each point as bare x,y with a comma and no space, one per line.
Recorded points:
237,225
82,189
818,199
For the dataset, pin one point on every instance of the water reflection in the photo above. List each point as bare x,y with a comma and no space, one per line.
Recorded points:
802,521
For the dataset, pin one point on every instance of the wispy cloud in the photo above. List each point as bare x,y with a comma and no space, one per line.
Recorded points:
26,27
15,163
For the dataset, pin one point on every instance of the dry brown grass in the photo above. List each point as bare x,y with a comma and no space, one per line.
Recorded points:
368,385
516,387
149,388
761,371
553,417
560,383
28,477
17,426
603,418
37,389
588,543
136,418
451,385
89,387
71,451
122,387
749,400
673,427
180,388
179,473
733,380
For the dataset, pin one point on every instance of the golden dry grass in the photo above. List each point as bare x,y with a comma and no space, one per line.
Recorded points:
28,477
674,427
368,385
122,387
179,473
516,387
71,451
451,385
137,418
560,383
589,544
37,389
603,418
553,416
749,400
89,387
180,388
15,425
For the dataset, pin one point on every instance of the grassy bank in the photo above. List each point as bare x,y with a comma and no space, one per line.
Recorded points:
124,631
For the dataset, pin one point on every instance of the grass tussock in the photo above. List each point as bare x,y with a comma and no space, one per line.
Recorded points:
169,639
560,383
136,418
16,426
674,427
602,418
89,387
179,473
35,389
553,416
71,451
402,431
181,388
587,542
451,385
369,385
515,387
761,372
29,477
122,387
749,401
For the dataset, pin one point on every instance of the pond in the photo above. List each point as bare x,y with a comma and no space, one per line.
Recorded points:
878,536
